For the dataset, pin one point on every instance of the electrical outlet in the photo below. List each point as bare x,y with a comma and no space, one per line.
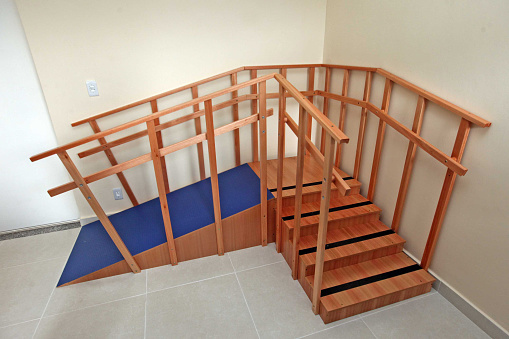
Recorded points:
92,88
117,193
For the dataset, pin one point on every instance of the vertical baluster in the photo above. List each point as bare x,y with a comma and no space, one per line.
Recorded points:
280,161
158,169
326,89
254,127
362,126
301,149
379,140
209,120
235,113
96,207
323,221
445,194
113,162
153,105
311,87
409,164
263,159
342,113
197,127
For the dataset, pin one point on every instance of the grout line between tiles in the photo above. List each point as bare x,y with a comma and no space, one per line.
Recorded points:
36,262
21,322
46,307
328,328
403,302
100,304
252,268
369,328
245,300
191,282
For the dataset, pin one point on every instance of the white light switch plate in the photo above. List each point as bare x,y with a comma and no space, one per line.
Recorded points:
92,88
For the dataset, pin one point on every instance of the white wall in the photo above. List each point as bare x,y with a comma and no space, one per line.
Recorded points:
135,49
458,50
25,128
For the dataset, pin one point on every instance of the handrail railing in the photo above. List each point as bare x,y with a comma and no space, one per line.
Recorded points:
331,134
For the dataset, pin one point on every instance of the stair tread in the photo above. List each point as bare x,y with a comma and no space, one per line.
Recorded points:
349,202
370,290
338,246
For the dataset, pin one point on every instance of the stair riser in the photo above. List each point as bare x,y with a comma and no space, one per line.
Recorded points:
339,223
350,260
315,196
372,304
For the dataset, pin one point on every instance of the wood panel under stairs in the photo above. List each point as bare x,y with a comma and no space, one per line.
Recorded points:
364,266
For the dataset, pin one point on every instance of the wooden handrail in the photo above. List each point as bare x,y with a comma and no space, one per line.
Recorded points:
326,124
155,97
437,100
174,122
151,117
342,186
448,161
147,157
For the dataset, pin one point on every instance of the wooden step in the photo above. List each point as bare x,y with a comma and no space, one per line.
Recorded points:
343,212
349,245
362,287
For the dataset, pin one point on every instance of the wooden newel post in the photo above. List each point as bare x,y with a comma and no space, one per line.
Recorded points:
263,160
301,149
209,120
158,170
96,207
323,221
280,162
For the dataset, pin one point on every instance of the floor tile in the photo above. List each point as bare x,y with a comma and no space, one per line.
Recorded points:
255,256
429,317
37,248
279,306
19,331
26,289
90,293
118,319
188,271
213,308
399,303
355,329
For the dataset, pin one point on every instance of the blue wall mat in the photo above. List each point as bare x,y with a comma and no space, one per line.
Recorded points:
142,227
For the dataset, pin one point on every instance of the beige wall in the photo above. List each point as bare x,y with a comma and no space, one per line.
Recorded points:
134,49
458,50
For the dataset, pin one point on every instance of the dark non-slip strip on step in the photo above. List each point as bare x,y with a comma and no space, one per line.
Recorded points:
292,187
334,209
348,241
272,190
369,280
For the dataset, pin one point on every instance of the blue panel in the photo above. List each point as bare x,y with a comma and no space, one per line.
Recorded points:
142,227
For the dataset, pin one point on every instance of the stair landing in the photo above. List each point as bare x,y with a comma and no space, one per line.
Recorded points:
312,176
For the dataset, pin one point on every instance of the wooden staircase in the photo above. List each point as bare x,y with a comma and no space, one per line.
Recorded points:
364,266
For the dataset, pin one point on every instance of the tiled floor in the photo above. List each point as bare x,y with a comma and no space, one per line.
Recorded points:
243,294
